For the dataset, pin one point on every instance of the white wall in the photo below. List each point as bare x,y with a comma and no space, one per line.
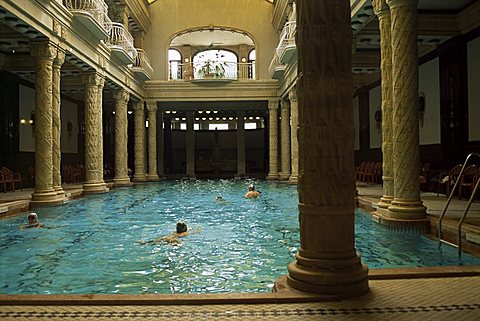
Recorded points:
429,84
170,17
375,102
473,60
356,123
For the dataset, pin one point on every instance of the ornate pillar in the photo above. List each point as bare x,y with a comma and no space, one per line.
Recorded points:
56,121
44,193
406,203
93,83
240,144
152,141
139,142
273,139
383,13
285,130
121,133
327,261
292,95
190,146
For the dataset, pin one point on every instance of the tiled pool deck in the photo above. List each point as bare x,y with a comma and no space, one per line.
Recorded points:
450,293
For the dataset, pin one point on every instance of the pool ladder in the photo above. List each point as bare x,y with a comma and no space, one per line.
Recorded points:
462,219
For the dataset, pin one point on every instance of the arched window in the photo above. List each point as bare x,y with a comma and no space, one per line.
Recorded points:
215,63
252,56
174,64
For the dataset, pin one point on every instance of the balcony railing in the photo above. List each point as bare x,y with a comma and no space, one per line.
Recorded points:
121,40
211,70
286,47
142,64
95,10
276,68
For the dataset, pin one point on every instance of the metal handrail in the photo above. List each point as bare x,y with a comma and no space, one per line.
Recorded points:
448,203
459,226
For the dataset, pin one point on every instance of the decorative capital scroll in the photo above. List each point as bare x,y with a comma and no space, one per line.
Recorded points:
45,49
292,95
402,3
121,95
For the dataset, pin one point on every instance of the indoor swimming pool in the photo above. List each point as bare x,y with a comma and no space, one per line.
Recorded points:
96,244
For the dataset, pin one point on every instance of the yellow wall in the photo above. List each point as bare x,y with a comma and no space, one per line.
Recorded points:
171,16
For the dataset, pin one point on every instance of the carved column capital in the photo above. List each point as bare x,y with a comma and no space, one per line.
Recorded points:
380,7
292,95
151,106
272,104
59,58
402,3
91,79
44,49
121,95
138,105
284,105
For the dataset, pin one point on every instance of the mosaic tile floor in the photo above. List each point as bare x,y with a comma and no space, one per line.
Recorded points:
455,298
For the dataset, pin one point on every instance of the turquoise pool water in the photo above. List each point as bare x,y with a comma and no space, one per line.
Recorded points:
93,245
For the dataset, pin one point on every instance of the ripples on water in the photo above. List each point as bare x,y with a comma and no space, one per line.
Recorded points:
93,245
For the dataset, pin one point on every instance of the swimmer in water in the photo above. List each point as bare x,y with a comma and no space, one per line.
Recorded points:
174,237
252,193
32,222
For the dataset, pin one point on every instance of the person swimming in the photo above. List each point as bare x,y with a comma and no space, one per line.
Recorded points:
173,238
32,222
252,193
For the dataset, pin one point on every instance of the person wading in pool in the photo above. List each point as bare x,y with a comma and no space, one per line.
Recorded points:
173,238
32,222
252,193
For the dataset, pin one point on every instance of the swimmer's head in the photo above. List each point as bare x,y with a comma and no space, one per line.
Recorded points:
32,218
219,198
251,187
181,227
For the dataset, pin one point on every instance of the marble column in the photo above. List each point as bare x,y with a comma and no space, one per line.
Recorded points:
190,147
93,83
292,96
326,262
406,203
273,140
44,193
56,121
121,178
285,140
139,142
383,12
152,141
240,144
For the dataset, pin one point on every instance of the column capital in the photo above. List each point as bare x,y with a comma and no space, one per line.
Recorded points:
121,95
273,104
43,49
402,3
92,78
285,104
138,105
152,106
292,95
59,59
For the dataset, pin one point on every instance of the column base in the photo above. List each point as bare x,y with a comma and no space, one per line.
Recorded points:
152,178
283,176
139,178
95,188
345,278
122,182
59,190
406,209
385,217
293,179
272,177
385,201
47,198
